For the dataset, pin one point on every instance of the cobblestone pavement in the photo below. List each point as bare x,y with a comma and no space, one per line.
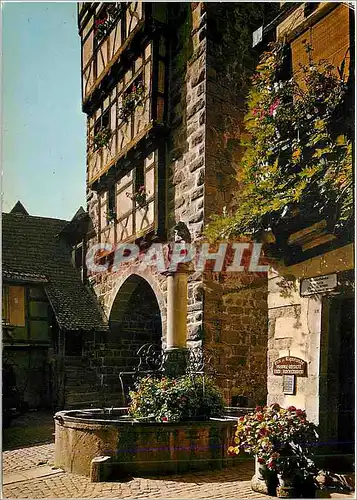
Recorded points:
27,458
32,428
227,483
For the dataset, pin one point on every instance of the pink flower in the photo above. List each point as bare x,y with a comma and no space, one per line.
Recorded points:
271,464
261,460
292,408
164,419
273,107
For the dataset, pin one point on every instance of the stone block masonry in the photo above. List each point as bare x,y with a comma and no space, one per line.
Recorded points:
210,62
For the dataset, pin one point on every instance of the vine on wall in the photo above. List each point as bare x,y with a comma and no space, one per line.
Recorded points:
298,155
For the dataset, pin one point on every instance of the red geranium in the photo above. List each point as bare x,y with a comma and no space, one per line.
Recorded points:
280,438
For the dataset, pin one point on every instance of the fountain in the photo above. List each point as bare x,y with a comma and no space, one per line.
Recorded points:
109,438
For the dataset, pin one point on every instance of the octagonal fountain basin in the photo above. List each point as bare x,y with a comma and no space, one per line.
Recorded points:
138,447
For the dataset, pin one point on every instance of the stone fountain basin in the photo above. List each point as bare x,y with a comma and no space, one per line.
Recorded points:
138,447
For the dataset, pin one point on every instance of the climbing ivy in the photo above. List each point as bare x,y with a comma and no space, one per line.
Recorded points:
296,157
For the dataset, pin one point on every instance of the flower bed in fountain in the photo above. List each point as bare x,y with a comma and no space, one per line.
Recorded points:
173,426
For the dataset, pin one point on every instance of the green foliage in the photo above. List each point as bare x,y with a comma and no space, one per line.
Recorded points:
132,99
102,138
296,155
103,25
173,400
139,196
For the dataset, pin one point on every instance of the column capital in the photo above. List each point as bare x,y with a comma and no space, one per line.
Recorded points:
182,268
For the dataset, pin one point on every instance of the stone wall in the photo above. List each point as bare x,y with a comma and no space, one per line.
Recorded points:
301,326
235,308
210,61
33,374
186,149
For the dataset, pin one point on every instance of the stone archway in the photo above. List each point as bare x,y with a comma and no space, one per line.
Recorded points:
135,320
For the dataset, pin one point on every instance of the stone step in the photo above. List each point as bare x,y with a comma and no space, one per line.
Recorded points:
79,382
76,405
81,397
84,376
75,361
83,366
82,388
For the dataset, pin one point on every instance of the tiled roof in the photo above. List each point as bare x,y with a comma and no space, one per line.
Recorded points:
32,251
25,277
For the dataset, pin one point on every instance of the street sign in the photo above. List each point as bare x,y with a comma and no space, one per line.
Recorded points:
289,384
318,284
289,365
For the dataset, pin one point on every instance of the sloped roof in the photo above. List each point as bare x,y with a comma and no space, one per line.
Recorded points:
33,251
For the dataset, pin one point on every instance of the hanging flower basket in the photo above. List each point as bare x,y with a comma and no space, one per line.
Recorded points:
103,25
101,28
139,196
133,99
102,138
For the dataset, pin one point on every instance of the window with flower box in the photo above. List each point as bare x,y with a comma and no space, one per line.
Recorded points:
131,199
131,109
104,31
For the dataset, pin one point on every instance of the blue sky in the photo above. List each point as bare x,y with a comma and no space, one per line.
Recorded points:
43,153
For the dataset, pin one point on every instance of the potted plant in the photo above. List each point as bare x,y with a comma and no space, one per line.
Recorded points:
133,97
281,440
138,196
101,27
102,138
175,399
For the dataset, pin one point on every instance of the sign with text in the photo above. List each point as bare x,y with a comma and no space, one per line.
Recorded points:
289,384
289,365
318,284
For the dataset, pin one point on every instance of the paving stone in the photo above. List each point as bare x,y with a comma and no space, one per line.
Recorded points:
233,482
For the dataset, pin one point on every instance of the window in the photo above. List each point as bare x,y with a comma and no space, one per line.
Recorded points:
5,305
136,212
102,132
285,71
111,205
102,122
13,305
139,177
37,293
77,256
106,19
310,7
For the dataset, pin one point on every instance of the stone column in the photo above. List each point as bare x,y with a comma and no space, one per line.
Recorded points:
176,350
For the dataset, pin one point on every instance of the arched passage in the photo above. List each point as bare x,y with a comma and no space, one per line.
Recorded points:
134,320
